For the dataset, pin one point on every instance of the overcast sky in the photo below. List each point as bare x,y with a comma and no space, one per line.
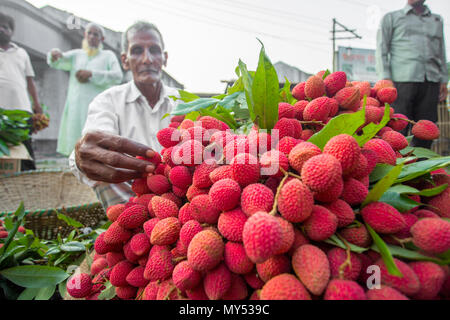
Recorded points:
206,38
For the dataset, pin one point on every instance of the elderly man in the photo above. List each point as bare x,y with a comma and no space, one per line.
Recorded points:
92,71
123,121
16,79
411,53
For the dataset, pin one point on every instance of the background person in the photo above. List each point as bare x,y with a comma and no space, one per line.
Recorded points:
92,71
123,121
411,53
16,80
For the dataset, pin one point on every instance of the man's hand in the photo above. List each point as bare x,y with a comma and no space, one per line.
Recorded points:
109,158
443,92
83,75
56,54
37,109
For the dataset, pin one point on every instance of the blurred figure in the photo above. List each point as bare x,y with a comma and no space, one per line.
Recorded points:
92,70
16,80
411,53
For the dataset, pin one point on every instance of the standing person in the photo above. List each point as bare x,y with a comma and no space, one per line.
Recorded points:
16,80
92,71
123,121
411,53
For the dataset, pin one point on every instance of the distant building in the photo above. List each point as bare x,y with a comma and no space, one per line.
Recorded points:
40,30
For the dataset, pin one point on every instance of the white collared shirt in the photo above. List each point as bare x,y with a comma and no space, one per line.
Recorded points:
123,110
15,67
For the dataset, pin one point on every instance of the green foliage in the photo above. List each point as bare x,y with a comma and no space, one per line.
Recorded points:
383,185
32,268
14,129
371,129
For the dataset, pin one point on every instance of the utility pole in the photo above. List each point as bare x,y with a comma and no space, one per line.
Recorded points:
344,29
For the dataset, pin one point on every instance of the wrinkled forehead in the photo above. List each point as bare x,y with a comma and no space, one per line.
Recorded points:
144,37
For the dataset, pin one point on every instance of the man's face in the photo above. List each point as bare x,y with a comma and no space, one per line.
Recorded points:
93,36
145,57
416,3
5,32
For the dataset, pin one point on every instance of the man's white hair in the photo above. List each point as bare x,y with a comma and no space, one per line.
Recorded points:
99,27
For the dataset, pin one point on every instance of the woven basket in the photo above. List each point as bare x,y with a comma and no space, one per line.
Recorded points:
44,192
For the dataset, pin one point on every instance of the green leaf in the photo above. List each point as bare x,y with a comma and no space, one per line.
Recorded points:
326,74
380,171
432,192
398,200
4,149
370,130
29,294
238,85
346,123
71,235
45,293
285,93
383,250
20,215
71,222
61,258
420,168
34,276
420,152
62,289
108,293
72,246
265,92
187,96
165,116
196,105
384,184
410,254
334,240
247,82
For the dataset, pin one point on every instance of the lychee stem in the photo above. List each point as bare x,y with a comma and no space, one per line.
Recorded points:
275,202
401,241
347,261
312,122
167,296
176,260
407,120
139,297
290,174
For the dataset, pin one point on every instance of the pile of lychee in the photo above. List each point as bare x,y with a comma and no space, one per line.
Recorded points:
233,216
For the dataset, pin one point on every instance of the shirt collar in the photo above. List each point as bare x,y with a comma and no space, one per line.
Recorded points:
13,47
135,94
407,9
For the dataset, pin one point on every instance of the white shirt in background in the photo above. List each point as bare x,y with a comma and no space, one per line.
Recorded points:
123,110
15,67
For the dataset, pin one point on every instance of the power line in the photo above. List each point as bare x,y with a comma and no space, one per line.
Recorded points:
202,19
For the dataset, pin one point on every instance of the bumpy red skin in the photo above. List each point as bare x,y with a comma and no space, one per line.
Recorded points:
256,197
285,110
217,282
288,235
119,273
431,235
395,139
295,201
231,224
181,177
383,218
116,235
409,284
284,287
159,264
203,210
336,257
140,244
312,267
332,194
166,232
298,92
245,169
225,194
273,266
321,225
158,184
387,95
343,211
301,153
385,293
261,236
184,277
101,247
164,208
335,82
238,289
133,217
317,110
188,231
136,277
398,125
314,87
384,151
299,107
321,172
168,137
431,277
344,290
345,148
348,98
201,177
441,203
79,285
354,191
205,250
235,258
358,236
272,162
